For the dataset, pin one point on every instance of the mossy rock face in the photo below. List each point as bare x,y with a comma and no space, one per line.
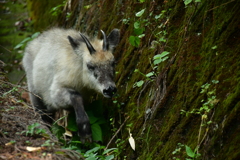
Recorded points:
204,44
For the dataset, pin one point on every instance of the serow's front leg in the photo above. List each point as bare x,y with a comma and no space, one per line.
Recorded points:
83,123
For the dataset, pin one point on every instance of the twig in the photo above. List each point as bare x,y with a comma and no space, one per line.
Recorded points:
20,87
199,144
116,133
4,136
220,5
6,49
199,132
21,79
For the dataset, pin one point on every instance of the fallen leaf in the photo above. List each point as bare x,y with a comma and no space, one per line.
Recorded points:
131,140
34,149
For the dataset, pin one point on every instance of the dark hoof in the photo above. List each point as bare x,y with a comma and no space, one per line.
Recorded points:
85,132
87,139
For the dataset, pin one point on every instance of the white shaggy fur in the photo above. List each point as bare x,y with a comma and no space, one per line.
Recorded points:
52,66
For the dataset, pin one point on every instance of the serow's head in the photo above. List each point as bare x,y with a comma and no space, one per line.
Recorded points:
99,62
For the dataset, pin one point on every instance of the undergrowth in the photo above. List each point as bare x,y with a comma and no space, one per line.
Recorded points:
206,112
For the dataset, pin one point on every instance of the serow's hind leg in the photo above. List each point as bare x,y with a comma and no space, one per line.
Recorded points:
41,108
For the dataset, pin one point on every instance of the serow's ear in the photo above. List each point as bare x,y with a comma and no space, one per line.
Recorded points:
73,42
113,38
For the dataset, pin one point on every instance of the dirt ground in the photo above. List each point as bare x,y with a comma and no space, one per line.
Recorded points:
16,114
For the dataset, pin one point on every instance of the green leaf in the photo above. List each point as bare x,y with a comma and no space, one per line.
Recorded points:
141,35
96,132
136,70
92,118
157,61
161,56
140,13
87,6
18,46
158,16
22,43
215,81
72,125
164,53
110,157
101,120
26,40
125,21
40,131
92,157
136,25
134,41
95,149
140,83
164,58
35,35
214,47
158,56
189,152
150,74
109,150
139,31
186,2
162,39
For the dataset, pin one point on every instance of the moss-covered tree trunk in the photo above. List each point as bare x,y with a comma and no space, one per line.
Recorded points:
203,39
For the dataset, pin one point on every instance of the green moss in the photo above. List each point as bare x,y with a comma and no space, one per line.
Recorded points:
192,32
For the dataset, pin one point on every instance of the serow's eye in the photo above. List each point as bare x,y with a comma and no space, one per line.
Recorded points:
90,67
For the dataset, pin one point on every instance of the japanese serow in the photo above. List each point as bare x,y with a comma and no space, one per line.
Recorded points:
64,67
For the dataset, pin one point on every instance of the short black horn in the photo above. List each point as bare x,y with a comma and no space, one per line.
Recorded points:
89,45
105,44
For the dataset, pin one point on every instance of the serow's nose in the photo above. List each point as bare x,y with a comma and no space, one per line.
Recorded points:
109,92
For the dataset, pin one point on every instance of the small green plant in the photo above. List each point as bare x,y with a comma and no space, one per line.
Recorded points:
98,153
178,149
187,2
90,151
23,43
140,24
207,104
214,47
120,149
139,28
157,59
55,11
32,129
48,143
28,142
97,121
190,153
160,32
204,111
126,20
14,89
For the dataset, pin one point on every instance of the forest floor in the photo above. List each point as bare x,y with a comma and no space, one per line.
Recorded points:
23,135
